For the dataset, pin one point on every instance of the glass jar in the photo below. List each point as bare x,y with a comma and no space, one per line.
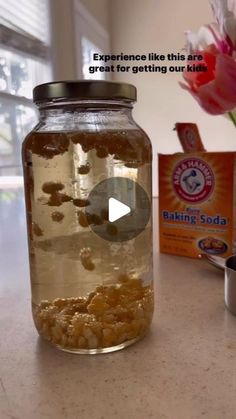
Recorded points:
90,293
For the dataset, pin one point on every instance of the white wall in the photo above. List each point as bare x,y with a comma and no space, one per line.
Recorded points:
158,26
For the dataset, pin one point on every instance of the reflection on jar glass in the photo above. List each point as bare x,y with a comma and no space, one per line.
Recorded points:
89,295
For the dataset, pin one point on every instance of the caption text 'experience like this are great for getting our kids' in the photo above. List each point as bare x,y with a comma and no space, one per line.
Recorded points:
121,63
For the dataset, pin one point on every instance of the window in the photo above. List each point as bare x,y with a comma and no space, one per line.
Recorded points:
90,38
88,49
24,62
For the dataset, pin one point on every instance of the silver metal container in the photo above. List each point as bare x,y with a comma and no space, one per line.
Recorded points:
230,284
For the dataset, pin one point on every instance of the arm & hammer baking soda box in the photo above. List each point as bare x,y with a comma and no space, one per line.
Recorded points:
197,203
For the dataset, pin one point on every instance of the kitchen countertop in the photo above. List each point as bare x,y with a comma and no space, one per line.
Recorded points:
185,368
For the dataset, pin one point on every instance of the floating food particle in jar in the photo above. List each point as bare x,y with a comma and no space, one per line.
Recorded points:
88,264
81,202
54,200
57,199
111,149
132,155
82,219
65,198
102,152
85,257
57,216
112,229
49,146
133,165
89,218
51,187
95,219
86,252
37,230
86,147
78,138
116,157
88,142
105,214
84,169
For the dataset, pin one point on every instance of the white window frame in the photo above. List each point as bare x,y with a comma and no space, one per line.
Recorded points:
85,25
11,39
25,45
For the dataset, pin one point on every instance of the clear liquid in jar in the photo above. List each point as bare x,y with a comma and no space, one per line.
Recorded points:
74,273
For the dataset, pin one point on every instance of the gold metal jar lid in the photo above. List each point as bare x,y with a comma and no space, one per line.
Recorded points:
84,90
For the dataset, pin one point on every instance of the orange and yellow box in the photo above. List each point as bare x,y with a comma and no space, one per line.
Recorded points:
197,203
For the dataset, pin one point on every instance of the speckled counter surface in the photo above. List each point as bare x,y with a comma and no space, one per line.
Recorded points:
184,369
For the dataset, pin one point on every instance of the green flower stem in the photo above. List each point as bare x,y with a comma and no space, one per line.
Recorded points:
232,117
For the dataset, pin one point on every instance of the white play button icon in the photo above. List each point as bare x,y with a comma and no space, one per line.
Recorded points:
117,210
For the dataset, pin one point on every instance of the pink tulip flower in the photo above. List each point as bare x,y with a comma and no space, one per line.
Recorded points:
215,89
226,21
